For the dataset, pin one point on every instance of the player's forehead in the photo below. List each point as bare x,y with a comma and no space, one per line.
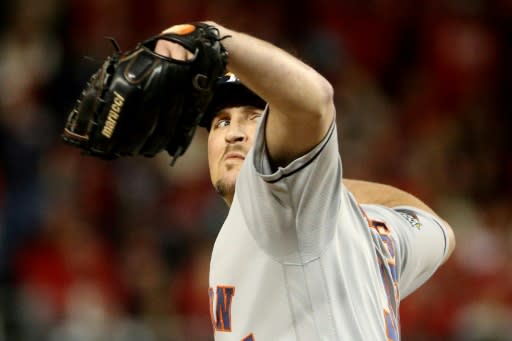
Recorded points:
237,110
230,92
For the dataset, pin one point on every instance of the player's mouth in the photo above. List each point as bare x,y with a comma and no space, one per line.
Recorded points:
234,156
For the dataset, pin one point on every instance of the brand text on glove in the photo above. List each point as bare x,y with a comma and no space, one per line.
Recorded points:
113,115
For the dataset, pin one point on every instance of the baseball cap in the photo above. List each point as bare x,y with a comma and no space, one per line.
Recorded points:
230,92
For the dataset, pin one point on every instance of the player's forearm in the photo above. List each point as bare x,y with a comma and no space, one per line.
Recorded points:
282,80
300,99
367,192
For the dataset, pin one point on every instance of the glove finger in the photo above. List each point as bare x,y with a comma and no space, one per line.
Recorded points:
124,120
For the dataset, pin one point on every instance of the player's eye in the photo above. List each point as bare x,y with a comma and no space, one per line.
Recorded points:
256,115
222,123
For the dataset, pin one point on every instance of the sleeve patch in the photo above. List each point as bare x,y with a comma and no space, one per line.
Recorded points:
410,216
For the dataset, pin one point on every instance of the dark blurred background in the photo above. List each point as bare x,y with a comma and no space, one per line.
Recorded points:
94,250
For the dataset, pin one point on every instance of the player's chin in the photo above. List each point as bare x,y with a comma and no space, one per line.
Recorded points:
227,178
232,167
225,186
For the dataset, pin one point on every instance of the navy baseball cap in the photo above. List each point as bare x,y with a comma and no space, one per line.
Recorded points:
230,92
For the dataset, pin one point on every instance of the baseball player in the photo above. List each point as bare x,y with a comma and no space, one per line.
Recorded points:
303,255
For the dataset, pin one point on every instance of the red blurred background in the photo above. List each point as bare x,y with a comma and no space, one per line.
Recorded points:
96,250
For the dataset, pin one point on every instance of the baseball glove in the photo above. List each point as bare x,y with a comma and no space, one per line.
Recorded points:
141,103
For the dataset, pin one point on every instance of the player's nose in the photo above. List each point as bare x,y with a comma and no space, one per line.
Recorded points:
236,132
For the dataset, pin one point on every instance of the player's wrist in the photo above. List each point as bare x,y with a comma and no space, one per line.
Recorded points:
223,31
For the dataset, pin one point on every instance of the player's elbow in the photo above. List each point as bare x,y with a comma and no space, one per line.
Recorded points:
326,99
322,108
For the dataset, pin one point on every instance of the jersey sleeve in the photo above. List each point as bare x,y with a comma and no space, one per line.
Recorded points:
290,211
423,243
420,242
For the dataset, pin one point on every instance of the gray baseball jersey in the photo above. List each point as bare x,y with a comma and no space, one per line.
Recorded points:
298,259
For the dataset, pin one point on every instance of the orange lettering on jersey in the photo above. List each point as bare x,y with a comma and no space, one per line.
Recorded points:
222,319
380,227
389,279
223,308
211,296
391,328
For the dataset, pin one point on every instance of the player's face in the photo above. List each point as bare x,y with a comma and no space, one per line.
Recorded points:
231,136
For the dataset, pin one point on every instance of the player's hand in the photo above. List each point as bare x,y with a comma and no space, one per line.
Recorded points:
173,50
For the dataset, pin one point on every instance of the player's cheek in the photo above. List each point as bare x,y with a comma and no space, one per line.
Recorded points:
214,153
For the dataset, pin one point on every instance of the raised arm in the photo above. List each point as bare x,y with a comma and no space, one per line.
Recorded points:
299,98
367,192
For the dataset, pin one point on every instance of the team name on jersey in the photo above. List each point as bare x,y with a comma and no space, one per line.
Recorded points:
390,279
221,316
222,297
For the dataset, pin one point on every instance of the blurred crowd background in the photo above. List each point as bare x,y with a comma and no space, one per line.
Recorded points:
119,250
